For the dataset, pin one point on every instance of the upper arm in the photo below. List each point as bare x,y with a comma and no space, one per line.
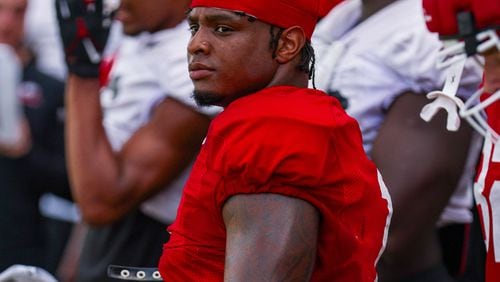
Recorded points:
421,162
270,237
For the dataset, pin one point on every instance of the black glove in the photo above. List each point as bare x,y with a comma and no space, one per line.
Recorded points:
84,31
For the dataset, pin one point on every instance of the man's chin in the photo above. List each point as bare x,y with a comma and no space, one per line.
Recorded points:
130,30
207,98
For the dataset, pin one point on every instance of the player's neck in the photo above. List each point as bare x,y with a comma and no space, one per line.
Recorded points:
293,78
371,7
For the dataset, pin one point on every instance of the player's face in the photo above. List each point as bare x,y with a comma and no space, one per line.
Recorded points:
12,14
492,71
151,15
229,55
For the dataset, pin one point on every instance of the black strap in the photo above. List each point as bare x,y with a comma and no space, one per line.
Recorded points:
134,273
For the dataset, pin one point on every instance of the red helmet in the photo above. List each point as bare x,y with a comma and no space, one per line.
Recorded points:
467,27
460,18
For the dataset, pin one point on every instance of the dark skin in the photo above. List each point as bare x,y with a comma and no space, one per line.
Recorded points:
214,72
433,159
370,7
139,16
107,184
437,160
270,237
492,70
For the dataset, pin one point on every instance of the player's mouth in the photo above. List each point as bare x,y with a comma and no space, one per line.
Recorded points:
198,71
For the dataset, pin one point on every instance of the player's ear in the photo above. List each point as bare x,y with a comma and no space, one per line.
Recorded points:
290,44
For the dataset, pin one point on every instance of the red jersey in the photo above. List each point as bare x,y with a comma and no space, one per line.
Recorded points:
295,142
487,194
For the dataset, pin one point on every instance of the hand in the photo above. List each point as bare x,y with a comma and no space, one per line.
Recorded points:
84,31
22,146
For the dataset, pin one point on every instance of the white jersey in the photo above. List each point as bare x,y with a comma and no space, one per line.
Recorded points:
369,64
43,38
147,69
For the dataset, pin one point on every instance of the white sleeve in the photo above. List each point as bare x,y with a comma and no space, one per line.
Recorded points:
414,56
42,36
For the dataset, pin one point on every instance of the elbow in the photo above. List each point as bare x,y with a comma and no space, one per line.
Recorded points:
100,209
100,216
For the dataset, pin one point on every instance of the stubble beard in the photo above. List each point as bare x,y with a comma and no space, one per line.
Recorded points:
207,98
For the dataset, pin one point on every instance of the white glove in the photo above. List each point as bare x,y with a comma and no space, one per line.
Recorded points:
23,273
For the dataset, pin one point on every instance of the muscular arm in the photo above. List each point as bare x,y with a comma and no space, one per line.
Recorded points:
421,164
270,237
107,185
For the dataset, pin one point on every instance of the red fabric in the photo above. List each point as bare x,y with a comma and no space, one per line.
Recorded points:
486,12
289,141
105,69
282,13
487,192
441,15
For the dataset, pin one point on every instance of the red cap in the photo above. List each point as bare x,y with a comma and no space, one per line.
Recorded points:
281,13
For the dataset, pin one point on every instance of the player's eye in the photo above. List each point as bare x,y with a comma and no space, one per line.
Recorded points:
193,28
223,29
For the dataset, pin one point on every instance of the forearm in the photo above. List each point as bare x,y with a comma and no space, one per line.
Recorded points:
93,168
108,184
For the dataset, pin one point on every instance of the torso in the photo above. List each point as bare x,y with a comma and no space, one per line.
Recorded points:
299,143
